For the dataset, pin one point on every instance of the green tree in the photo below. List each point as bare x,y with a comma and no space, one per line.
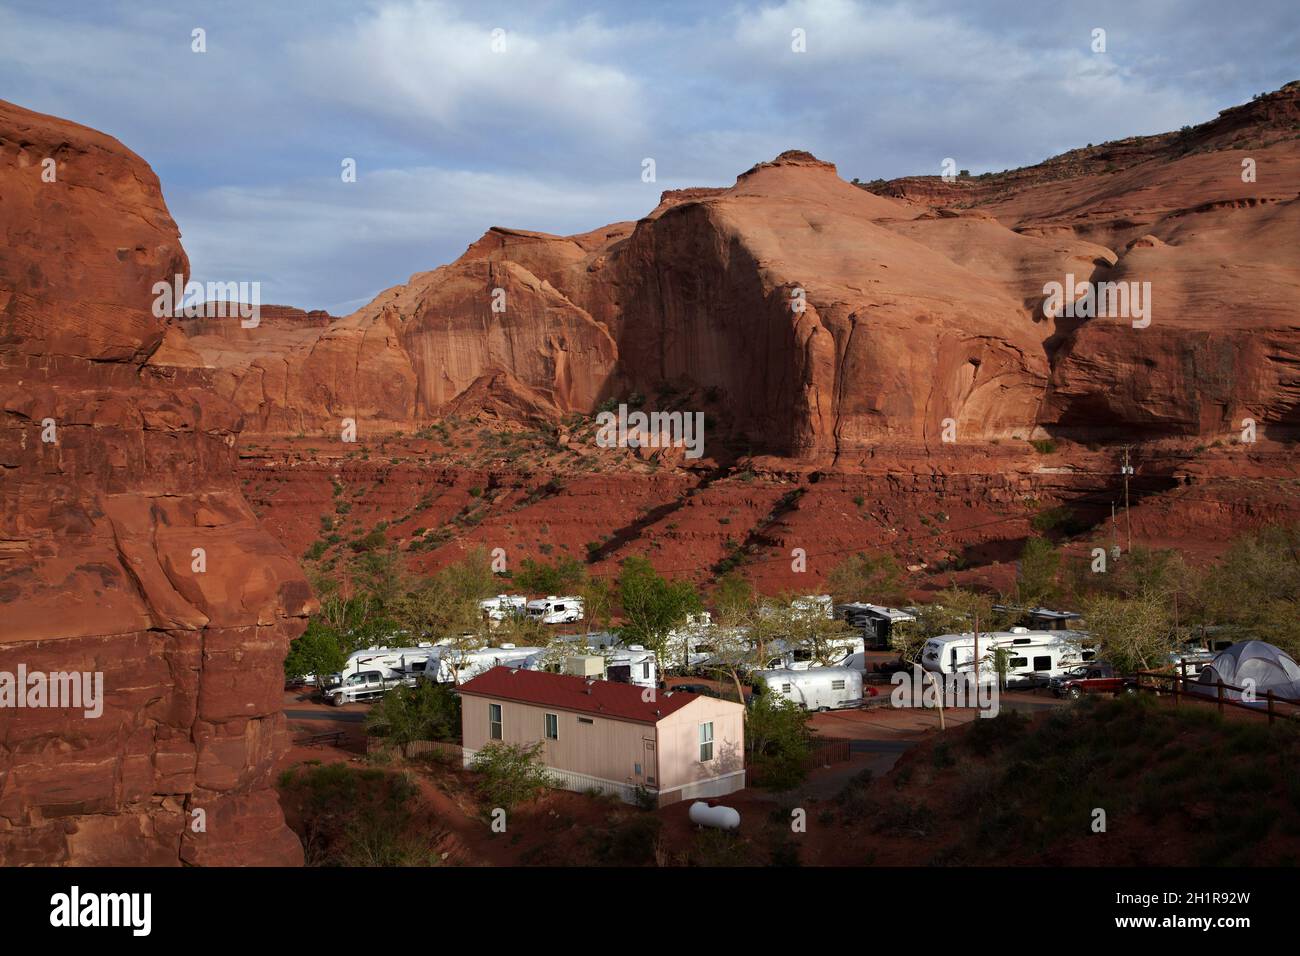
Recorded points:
427,711
318,651
510,774
865,577
653,606
733,599
565,576
1036,573
776,740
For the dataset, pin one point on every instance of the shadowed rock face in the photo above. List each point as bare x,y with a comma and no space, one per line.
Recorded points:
920,306
126,547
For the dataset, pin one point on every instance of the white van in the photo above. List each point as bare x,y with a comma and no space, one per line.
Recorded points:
1035,657
818,688
556,610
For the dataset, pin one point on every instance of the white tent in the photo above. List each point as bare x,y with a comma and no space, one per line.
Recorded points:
1253,665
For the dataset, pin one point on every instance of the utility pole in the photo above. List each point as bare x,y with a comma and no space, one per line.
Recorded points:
977,648
1127,471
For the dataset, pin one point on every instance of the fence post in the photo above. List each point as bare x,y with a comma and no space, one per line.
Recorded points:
1178,687
1219,682
1270,706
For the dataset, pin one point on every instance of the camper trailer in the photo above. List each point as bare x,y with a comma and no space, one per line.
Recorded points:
503,606
834,651
459,666
877,622
1034,657
632,665
389,661
814,605
556,610
817,688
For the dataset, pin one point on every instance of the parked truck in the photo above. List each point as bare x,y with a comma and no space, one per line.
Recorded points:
364,685
1095,677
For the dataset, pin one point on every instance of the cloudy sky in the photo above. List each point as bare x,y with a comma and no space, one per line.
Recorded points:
549,130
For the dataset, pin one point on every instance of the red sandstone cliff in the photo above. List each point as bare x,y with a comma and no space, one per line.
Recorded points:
101,529
914,312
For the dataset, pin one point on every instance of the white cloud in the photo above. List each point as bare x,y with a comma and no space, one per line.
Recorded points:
421,64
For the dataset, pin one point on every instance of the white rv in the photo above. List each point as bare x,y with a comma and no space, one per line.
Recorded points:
556,610
1034,657
460,666
834,651
632,665
503,606
388,661
817,688
814,605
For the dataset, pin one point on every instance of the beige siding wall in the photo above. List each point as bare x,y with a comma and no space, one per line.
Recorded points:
606,748
679,742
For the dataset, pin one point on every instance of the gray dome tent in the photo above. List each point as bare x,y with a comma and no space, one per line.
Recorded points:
1251,664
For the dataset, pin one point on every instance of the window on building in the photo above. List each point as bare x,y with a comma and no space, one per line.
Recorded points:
636,769
706,742
494,721
585,720
552,726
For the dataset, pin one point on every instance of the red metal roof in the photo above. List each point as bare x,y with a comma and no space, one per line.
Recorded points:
565,692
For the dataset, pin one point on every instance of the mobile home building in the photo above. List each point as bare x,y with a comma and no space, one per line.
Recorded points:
608,736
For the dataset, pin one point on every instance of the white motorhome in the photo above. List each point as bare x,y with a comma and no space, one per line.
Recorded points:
389,661
1034,657
633,664
556,610
503,606
459,666
817,688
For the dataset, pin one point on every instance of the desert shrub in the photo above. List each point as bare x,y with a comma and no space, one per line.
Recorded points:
510,774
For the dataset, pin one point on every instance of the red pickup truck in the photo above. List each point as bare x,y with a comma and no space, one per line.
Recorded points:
1095,677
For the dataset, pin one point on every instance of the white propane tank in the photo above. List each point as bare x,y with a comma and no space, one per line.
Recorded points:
721,818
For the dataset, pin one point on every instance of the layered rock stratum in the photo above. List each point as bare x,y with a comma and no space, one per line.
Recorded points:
126,547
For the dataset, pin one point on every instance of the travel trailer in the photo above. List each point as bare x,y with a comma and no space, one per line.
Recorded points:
877,622
814,605
460,666
504,606
556,610
817,688
632,665
389,661
834,651
1034,656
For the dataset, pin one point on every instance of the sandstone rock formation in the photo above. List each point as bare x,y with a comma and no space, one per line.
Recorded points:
827,321
126,547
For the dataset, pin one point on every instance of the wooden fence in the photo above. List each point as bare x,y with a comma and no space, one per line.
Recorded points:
415,747
1180,688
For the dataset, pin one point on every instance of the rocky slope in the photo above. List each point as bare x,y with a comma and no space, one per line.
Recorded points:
925,317
126,547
